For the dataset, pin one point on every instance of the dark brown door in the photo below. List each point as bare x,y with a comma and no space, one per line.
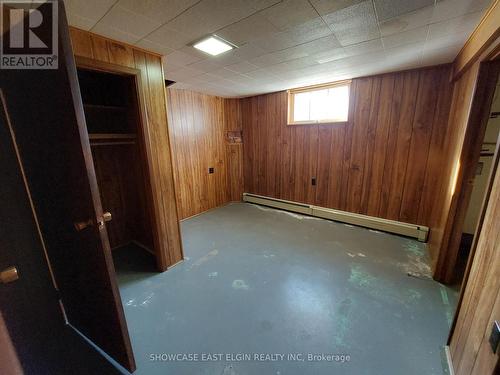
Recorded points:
34,338
46,116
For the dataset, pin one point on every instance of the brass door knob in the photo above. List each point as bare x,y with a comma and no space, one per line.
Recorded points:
9,275
81,225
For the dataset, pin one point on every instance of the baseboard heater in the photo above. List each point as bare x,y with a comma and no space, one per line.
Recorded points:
405,229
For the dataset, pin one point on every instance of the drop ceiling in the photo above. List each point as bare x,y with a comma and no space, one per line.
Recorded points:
284,44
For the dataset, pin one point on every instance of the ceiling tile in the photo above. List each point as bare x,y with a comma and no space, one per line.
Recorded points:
205,66
88,11
200,79
242,79
180,58
318,45
275,42
447,9
301,63
278,57
387,9
290,13
354,24
80,22
330,55
169,38
406,37
127,21
207,77
227,58
403,56
224,73
181,74
154,47
364,47
158,10
195,53
407,21
168,68
460,25
181,86
355,60
210,16
446,41
250,28
242,67
261,74
329,6
114,33
248,51
311,30
440,55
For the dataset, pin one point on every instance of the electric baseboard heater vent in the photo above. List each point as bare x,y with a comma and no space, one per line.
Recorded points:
405,229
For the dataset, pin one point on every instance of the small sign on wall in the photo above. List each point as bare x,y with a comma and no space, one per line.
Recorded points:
234,137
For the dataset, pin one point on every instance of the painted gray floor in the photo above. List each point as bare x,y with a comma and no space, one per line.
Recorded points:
262,281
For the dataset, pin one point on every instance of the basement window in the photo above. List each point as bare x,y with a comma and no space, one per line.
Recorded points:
320,104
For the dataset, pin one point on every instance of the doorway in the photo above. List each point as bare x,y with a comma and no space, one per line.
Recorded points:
482,175
114,125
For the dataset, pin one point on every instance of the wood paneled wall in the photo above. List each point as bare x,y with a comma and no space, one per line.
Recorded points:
198,127
120,176
386,162
234,150
152,84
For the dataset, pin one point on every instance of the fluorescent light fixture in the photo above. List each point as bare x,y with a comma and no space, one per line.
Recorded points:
213,45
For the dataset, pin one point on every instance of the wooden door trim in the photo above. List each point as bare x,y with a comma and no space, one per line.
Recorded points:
484,206
106,67
476,126
174,185
143,128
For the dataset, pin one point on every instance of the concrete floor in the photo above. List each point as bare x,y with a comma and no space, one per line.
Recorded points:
263,281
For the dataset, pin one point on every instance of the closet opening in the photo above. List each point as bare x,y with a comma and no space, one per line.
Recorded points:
115,129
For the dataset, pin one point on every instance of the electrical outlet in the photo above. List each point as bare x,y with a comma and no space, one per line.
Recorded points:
313,181
211,170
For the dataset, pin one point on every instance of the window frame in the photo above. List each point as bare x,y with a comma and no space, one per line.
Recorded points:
291,101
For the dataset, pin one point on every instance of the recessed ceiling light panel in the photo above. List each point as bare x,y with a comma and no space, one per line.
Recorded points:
213,45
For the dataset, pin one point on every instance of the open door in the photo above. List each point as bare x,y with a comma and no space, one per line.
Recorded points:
45,112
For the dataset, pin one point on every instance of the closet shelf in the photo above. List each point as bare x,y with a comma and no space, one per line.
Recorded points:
103,106
111,136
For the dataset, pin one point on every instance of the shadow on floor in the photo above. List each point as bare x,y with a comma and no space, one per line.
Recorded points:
133,263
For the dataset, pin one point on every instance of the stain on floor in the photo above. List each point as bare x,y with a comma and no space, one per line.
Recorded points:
257,280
